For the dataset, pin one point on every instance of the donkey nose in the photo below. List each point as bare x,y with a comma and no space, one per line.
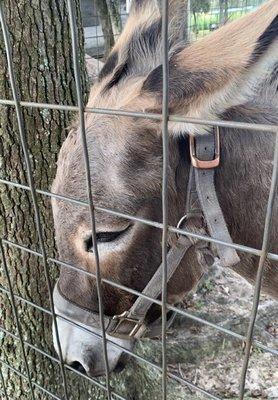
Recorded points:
120,366
78,367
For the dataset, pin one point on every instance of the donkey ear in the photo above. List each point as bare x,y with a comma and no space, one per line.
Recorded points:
219,71
138,49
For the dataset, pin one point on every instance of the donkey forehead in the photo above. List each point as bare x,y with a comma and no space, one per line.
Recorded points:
125,163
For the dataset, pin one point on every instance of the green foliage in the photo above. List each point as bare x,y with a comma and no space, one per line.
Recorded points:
198,6
206,13
201,22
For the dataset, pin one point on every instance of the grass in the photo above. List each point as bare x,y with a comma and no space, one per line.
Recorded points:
204,22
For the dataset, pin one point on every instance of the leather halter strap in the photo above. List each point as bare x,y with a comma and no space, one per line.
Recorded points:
132,321
208,148
205,157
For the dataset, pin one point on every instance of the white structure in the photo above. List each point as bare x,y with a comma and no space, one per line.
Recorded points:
128,4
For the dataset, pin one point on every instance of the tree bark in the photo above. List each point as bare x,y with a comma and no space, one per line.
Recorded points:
42,61
106,25
223,6
115,16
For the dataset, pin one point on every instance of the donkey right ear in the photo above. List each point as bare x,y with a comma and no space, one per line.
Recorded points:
138,49
219,71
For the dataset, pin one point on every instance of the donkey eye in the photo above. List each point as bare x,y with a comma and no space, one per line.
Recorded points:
104,237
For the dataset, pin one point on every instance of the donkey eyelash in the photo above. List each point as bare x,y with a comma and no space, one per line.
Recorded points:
104,237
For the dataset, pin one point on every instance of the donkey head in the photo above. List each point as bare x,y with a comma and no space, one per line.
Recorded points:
206,78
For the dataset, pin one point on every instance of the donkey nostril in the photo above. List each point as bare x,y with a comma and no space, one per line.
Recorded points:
119,367
78,367
121,363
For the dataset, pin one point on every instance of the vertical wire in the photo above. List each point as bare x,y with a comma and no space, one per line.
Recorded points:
23,139
81,107
263,257
13,302
4,384
165,137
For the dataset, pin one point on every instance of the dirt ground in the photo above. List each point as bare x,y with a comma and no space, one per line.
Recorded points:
215,359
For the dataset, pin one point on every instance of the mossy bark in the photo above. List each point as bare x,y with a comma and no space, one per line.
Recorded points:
42,61
106,24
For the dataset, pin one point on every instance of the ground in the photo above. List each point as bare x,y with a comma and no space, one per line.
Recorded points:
215,365
204,356
210,359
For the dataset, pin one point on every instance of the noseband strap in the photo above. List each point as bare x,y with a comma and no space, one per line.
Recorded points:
132,321
205,157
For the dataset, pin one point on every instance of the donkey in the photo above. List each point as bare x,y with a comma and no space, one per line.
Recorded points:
229,74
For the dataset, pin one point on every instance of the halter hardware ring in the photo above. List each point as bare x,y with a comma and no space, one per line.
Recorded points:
204,164
121,319
184,218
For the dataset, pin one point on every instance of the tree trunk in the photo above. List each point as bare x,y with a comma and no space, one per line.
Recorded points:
195,28
115,16
42,61
107,28
224,7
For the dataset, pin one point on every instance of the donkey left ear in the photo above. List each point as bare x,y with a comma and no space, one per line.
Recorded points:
219,71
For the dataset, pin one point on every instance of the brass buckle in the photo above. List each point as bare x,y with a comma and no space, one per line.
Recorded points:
202,164
125,318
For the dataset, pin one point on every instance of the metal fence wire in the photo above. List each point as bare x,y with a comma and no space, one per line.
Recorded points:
165,118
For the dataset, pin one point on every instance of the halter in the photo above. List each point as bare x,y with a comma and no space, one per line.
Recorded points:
202,204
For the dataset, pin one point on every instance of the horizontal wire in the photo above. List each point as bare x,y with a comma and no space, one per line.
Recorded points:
158,225
52,358
37,385
261,267
87,330
155,301
157,117
157,367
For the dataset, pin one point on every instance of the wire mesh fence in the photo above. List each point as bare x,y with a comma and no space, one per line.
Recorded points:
36,390
202,17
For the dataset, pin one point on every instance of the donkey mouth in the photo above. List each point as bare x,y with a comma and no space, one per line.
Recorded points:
119,367
98,373
121,363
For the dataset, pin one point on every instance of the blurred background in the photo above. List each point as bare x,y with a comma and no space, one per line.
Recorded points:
103,20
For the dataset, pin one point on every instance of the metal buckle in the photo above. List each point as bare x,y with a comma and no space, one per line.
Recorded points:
125,318
202,164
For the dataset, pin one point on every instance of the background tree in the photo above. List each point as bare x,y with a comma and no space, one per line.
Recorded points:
109,13
198,6
114,8
106,24
224,8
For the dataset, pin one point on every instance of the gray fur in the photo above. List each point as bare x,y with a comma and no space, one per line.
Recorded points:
126,174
